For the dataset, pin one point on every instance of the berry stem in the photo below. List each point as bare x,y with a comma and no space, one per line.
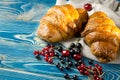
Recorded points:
78,40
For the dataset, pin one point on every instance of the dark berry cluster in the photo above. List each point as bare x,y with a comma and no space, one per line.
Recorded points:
68,77
75,51
69,58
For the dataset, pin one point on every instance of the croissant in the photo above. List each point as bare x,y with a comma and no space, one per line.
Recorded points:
102,36
61,22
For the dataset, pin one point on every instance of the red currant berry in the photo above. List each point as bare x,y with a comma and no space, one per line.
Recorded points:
46,58
94,69
95,76
51,54
46,48
96,65
99,68
98,78
86,72
79,68
81,71
36,52
82,66
101,79
52,46
50,60
65,53
88,7
51,50
42,53
77,56
101,72
46,55
89,67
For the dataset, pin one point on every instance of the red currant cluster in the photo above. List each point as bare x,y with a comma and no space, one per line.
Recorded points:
69,58
47,52
95,72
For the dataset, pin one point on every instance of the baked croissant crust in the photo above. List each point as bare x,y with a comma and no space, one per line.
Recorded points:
102,36
61,22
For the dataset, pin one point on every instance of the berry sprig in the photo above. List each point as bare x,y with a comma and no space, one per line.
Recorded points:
95,72
69,58
48,53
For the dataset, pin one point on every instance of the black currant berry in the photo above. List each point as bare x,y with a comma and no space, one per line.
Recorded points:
70,63
67,59
37,56
58,65
56,54
72,51
67,67
61,68
78,45
59,49
90,62
80,61
48,45
66,76
72,45
77,51
76,64
61,57
62,61
75,77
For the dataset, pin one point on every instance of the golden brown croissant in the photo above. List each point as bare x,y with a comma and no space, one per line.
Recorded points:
61,22
102,36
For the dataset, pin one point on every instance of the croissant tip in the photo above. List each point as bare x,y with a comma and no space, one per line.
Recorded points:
104,60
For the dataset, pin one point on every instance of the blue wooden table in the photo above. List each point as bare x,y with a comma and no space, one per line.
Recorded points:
19,20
